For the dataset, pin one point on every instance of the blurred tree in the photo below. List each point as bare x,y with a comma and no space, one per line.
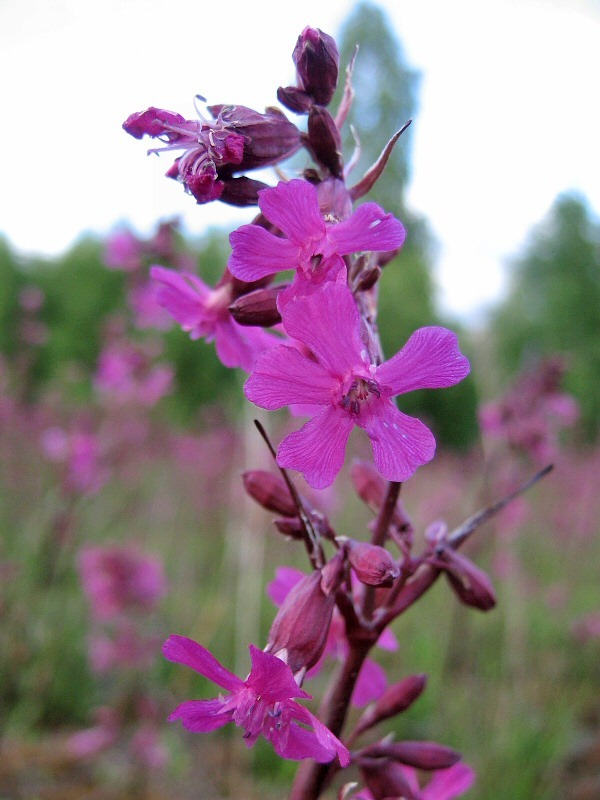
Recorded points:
386,91
553,305
11,282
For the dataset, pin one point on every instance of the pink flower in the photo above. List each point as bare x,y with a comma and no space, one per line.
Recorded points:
117,579
92,741
261,704
126,374
313,246
349,388
203,312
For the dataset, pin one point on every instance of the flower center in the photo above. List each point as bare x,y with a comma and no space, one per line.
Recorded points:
358,394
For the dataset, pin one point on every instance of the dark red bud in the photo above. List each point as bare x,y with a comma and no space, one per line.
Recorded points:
290,526
295,99
333,574
299,631
258,307
471,584
270,492
396,699
241,191
422,755
372,489
324,140
317,62
372,564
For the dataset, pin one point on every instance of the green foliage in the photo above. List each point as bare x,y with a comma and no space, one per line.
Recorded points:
11,281
553,305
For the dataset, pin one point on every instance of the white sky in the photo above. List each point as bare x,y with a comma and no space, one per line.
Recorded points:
509,114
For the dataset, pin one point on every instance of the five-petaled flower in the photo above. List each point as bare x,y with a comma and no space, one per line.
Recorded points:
262,704
203,312
313,246
350,390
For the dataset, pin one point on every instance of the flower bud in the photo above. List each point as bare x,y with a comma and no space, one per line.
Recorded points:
396,699
295,99
471,584
299,631
290,526
422,755
372,488
324,140
241,191
372,564
270,492
258,307
317,63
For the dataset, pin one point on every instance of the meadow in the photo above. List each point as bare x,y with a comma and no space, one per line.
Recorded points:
84,695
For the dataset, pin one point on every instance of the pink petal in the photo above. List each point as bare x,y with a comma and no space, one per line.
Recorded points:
370,685
258,253
283,376
271,678
328,322
368,228
240,345
449,783
285,580
317,449
296,743
388,640
201,716
324,736
429,360
184,296
401,444
182,650
294,208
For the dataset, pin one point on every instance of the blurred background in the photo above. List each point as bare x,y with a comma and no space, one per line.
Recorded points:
122,441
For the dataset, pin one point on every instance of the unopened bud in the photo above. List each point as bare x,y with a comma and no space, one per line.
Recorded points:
324,140
422,755
317,63
367,279
295,99
372,564
270,492
258,307
372,488
241,191
299,631
471,584
396,699
290,526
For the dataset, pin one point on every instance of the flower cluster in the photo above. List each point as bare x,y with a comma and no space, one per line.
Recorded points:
307,266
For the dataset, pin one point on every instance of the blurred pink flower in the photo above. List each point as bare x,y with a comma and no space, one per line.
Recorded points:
88,743
123,251
120,578
126,374
203,313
